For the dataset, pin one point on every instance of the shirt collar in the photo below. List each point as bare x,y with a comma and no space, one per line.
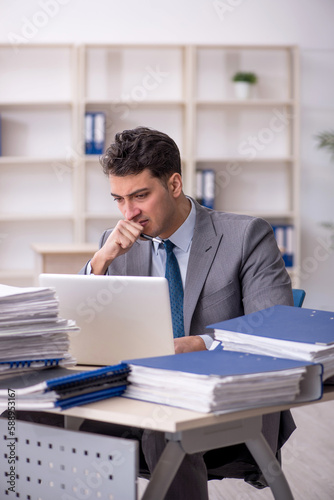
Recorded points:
184,234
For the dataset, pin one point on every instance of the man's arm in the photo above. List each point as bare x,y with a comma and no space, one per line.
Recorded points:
259,277
264,279
189,344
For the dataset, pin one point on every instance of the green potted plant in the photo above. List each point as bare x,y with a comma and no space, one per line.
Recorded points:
326,140
243,82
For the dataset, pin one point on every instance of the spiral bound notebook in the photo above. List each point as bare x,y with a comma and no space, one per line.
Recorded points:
62,388
30,364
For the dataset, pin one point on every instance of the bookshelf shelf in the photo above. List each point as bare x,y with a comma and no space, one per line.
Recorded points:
133,103
19,217
14,275
102,216
245,103
35,104
35,160
239,159
278,215
52,192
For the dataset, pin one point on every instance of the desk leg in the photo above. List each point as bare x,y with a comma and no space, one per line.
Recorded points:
244,431
72,423
164,471
270,467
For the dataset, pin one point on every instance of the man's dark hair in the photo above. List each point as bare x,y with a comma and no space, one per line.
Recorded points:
142,148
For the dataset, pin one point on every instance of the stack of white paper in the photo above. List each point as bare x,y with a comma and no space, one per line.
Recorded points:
220,381
284,331
62,387
32,335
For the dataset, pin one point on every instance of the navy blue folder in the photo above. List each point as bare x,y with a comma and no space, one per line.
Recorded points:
63,388
284,323
223,363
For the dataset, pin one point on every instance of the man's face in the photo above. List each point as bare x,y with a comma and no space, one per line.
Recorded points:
144,199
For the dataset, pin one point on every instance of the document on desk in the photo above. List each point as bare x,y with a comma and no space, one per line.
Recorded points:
220,381
285,331
61,387
32,334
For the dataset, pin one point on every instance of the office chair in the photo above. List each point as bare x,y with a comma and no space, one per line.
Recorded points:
253,478
298,297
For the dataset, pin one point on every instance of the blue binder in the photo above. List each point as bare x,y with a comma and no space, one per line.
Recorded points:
220,374
285,323
284,234
286,331
208,188
95,129
221,363
63,388
99,133
89,133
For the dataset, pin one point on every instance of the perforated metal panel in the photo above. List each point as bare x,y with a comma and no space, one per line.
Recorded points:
48,463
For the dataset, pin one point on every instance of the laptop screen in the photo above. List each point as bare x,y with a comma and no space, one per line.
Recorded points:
120,317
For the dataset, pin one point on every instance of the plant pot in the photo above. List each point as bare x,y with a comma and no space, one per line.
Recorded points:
242,90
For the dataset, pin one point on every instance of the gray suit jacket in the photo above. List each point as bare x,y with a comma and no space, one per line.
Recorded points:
235,268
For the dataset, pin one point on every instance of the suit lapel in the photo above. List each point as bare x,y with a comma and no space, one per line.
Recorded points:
138,259
203,250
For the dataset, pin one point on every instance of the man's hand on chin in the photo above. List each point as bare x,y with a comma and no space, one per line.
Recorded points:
188,344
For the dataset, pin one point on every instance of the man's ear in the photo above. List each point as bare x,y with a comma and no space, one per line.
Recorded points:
175,184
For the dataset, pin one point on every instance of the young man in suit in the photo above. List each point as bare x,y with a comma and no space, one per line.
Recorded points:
230,265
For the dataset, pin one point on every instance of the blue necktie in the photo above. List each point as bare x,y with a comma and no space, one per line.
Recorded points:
173,276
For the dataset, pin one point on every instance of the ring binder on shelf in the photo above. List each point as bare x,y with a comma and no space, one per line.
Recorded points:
95,129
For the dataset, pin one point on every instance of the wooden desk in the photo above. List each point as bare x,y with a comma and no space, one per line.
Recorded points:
61,259
189,432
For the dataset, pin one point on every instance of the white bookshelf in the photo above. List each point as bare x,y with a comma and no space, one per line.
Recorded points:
51,193
38,109
252,145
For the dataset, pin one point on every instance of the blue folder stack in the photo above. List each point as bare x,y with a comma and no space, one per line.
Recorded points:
284,331
221,381
62,388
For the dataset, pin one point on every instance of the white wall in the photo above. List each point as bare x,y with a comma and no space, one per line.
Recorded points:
306,23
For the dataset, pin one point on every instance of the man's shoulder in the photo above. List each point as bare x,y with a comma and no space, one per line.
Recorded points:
231,219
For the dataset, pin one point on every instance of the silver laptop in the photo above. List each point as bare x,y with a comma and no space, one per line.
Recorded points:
120,317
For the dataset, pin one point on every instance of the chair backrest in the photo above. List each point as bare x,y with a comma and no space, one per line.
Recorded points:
51,462
298,297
